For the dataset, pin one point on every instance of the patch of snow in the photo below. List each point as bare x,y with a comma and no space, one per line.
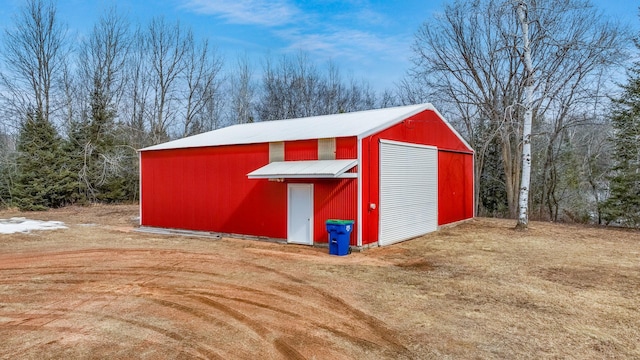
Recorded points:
24,225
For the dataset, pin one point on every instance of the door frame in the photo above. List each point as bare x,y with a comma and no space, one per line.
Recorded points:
309,187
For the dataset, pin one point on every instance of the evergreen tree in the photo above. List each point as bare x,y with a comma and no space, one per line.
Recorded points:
493,195
95,152
623,205
105,157
41,180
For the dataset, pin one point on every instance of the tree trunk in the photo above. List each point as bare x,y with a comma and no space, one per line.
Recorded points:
525,180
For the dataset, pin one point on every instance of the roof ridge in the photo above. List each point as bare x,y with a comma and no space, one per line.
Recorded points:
346,124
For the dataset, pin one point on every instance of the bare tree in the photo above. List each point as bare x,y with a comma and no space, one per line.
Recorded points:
102,75
242,93
466,62
34,54
470,59
103,57
202,70
135,108
288,88
168,46
296,87
389,98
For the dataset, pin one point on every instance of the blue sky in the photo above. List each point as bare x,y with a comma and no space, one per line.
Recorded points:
368,39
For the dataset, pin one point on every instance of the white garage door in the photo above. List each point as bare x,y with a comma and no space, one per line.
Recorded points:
408,191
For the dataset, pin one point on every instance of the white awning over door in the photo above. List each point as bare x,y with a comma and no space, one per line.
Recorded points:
307,169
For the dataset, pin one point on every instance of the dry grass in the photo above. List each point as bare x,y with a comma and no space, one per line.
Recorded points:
478,290
556,291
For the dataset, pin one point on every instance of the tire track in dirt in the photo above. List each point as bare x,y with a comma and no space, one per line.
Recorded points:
204,352
211,298
376,325
287,350
252,324
249,302
279,343
138,272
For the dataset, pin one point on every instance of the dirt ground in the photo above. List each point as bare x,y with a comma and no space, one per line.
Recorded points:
478,290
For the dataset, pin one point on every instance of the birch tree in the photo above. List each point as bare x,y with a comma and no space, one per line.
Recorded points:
525,180
469,60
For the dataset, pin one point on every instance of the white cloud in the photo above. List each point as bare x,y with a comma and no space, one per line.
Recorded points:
255,12
349,30
355,45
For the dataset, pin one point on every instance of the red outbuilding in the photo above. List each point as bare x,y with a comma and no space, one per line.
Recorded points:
398,173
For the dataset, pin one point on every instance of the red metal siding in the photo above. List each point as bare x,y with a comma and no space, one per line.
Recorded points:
333,198
370,163
207,189
455,187
301,150
338,199
425,128
347,148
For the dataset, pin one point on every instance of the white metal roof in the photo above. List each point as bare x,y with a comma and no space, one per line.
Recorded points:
360,124
305,169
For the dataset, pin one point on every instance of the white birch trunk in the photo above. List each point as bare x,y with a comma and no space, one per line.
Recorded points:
525,180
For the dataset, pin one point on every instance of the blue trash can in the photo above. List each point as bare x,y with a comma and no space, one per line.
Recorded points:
339,236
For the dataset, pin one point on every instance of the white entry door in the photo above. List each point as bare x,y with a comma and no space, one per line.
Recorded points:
300,214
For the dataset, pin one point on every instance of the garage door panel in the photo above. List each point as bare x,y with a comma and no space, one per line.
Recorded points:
404,202
417,219
408,191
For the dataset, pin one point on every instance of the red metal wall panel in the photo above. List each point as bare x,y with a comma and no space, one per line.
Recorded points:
333,198
425,128
338,199
207,189
347,148
370,163
455,187
301,150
